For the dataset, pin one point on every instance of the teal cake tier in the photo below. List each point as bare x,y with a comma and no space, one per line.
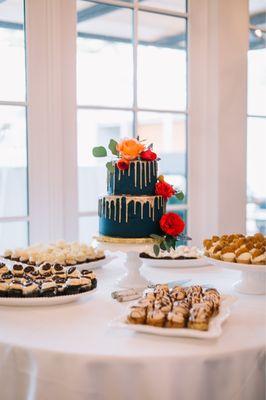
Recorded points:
138,180
130,216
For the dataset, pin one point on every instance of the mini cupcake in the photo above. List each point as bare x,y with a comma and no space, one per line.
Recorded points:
45,270
181,307
196,289
244,258
15,288
73,272
8,254
30,289
59,271
137,315
4,286
91,275
156,318
228,254
48,288
73,285
61,286
175,320
164,304
86,284
3,269
18,270
259,257
29,271
7,276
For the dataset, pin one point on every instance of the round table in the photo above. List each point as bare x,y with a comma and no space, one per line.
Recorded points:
70,352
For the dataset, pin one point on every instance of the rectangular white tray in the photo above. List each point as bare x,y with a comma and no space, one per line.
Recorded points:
215,327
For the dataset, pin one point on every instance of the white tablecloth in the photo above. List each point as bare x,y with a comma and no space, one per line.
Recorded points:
69,352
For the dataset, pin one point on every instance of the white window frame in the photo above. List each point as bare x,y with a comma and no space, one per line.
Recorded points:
216,177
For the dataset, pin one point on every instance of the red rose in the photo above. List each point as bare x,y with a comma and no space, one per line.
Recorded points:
172,224
122,164
164,189
148,155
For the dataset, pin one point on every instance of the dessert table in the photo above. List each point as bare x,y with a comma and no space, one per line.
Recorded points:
71,352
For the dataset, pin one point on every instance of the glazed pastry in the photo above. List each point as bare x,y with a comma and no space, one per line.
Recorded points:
178,293
164,304
156,318
175,320
181,307
259,257
199,318
137,315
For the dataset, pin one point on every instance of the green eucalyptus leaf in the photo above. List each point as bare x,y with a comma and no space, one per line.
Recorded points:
112,147
99,151
110,166
180,195
167,245
162,245
157,237
156,250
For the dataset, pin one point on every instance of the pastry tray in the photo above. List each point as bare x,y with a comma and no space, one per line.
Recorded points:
214,331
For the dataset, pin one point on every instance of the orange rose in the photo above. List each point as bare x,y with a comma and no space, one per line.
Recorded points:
130,149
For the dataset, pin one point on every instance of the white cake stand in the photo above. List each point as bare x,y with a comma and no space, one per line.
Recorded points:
131,248
253,277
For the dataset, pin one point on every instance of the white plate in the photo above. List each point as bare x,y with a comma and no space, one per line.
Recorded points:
215,327
43,301
238,266
195,263
90,265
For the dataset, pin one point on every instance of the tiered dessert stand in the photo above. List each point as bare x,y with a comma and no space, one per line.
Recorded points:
131,248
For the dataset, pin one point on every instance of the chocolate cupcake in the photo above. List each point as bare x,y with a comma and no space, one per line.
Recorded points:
59,271
4,286
86,284
30,289
29,271
91,275
73,285
15,288
61,286
45,270
18,270
48,288
3,269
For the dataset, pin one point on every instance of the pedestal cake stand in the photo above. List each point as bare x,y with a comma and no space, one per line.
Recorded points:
253,277
131,247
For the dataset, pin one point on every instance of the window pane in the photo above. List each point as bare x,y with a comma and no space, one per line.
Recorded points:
257,13
168,134
256,182
12,65
161,62
13,234
105,56
13,162
257,77
88,227
97,127
173,5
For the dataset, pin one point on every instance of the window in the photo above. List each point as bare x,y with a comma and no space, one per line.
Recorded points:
13,130
256,125
131,80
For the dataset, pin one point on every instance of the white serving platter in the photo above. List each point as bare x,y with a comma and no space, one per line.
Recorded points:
160,263
253,277
90,265
215,327
44,301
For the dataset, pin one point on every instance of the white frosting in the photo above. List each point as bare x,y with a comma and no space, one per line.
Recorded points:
180,251
244,256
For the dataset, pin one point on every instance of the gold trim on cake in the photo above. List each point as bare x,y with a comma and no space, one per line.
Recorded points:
110,239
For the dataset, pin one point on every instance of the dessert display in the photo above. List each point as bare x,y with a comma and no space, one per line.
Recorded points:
179,253
237,248
44,281
136,196
181,307
61,252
